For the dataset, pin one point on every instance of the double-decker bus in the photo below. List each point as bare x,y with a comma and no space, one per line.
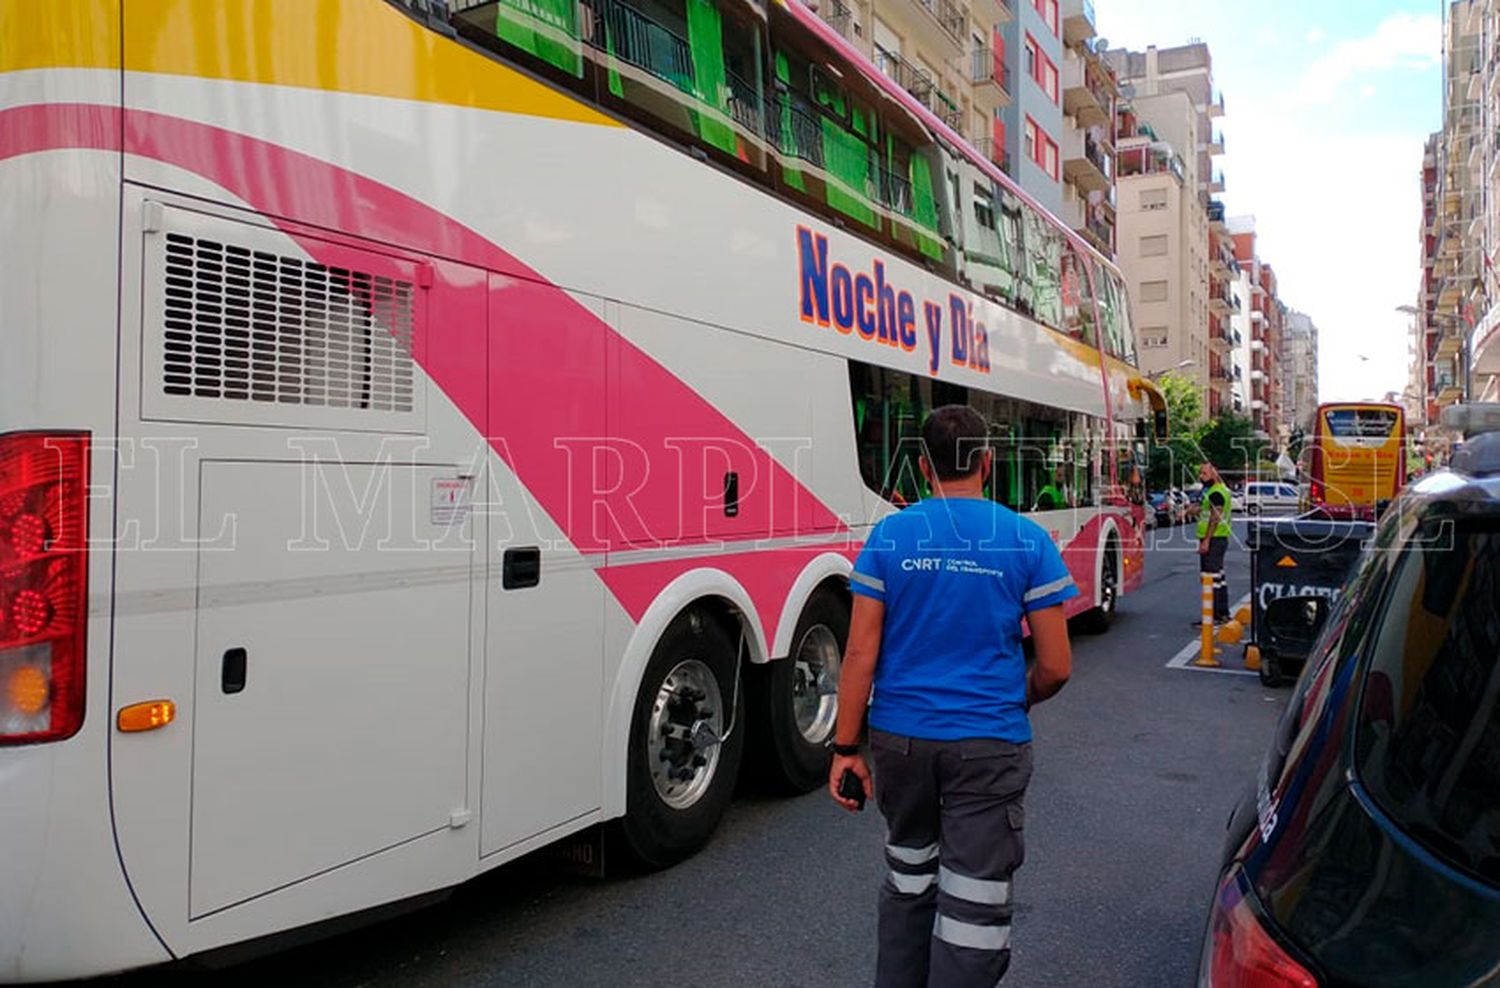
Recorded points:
1358,458
429,432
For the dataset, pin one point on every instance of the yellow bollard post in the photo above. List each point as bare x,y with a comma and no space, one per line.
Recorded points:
1205,657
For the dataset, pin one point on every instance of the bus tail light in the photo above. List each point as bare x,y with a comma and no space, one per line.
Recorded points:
1240,953
43,585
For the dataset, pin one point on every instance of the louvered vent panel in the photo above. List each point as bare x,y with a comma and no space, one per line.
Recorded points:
248,325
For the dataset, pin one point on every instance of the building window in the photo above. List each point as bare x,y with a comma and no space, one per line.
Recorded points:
1154,246
1042,149
1152,199
1043,70
1153,291
1153,337
1048,10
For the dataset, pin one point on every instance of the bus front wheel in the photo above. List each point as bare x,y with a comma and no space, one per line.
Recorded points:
687,736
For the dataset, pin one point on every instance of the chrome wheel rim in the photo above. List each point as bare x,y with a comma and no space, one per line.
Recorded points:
684,734
1107,592
815,684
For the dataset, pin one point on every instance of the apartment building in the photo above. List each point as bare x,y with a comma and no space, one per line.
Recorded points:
1300,384
1091,94
1240,331
1262,354
950,54
1430,370
1032,123
1173,254
1456,336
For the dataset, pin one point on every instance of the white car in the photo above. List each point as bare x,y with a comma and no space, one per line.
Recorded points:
1268,497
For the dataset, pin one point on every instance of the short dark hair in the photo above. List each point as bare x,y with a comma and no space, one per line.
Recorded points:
953,436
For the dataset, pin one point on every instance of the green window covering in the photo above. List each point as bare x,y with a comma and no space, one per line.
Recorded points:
847,160
710,85
788,142
924,208
546,29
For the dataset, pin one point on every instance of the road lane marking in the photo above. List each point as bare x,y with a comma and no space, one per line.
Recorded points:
1190,651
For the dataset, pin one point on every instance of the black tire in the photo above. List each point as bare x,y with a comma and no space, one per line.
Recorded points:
653,832
1252,510
1098,620
785,759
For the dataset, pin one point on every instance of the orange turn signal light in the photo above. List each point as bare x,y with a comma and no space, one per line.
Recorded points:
146,716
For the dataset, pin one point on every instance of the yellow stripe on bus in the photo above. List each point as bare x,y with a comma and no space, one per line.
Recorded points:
366,47
76,34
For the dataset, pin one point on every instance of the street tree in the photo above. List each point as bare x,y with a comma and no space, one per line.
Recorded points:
1174,463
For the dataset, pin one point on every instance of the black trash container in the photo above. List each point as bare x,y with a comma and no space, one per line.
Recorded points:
1298,568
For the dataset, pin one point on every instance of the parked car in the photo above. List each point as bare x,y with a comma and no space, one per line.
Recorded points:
1268,497
1368,852
1167,509
1190,505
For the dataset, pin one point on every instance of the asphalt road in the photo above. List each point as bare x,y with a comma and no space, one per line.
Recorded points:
1137,767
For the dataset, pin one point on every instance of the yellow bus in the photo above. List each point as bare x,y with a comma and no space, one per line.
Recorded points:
1359,458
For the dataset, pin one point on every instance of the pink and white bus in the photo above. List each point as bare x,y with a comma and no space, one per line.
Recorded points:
431,431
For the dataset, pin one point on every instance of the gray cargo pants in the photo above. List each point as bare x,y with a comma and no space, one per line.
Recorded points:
955,820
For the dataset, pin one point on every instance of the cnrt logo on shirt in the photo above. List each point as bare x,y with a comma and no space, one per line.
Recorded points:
922,564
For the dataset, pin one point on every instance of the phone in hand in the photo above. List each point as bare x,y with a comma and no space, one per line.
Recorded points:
851,787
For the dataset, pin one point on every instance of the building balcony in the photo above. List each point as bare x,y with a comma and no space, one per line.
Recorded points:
837,15
938,25
1217,218
1215,183
1086,164
1450,344
991,78
1149,159
1214,109
992,11
992,149
1100,234
1087,95
1222,301
1214,143
921,85
1078,21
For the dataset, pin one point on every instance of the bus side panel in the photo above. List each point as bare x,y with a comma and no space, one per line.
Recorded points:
320,538
65,907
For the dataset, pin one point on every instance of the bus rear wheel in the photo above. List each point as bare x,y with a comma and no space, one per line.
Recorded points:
794,701
687,737
1098,620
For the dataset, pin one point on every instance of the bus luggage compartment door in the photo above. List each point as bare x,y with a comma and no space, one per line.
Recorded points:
332,671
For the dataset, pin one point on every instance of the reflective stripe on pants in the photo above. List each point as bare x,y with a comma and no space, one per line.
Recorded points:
956,824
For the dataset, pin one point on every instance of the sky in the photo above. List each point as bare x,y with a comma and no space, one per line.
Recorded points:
1327,108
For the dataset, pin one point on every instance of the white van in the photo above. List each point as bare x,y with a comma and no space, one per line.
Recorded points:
1268,497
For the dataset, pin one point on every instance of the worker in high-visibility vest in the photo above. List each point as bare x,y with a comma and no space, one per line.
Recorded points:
1213,535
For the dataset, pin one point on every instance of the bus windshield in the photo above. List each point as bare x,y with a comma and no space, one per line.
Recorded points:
1360,423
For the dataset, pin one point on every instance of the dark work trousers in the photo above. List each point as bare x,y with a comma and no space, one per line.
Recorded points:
955,821
1212,563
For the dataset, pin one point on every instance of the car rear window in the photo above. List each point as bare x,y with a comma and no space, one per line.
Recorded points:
1428,741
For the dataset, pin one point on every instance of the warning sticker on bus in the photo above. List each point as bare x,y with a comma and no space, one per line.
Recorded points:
451,501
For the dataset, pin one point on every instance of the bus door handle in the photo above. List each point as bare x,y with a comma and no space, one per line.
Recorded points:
521,568
232,671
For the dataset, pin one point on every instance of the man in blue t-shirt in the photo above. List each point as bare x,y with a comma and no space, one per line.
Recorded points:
939,594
